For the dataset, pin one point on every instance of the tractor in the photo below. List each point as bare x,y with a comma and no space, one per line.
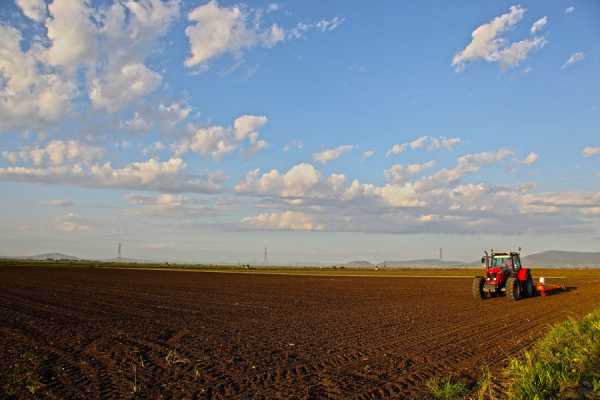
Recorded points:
504,275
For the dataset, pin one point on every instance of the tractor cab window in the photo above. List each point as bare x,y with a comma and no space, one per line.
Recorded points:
502,262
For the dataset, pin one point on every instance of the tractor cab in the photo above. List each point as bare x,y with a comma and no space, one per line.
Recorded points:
507,262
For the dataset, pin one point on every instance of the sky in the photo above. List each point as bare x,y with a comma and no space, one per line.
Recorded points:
325,131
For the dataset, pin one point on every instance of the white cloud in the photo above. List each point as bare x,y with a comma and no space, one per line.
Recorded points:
34,9
575,58
72,222
245,125
288,220
539,25
59,203
425,142
400,173
71,32
167,176
487,43
294,144
396,149
125,84
167,118
218,30
569,10
218,141
30,96
531,159
302,180
128,33
367,154
323,25
56,152
332,154
467,164
431,143
590,151
439,202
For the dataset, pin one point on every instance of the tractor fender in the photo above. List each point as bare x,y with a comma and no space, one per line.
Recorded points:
522,274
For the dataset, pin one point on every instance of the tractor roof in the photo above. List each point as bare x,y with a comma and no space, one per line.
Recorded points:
504,253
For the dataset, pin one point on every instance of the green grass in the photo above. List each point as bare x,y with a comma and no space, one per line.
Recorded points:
447,389
563,364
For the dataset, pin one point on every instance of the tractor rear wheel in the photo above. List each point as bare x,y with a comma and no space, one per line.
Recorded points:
513,289
529,286
477,288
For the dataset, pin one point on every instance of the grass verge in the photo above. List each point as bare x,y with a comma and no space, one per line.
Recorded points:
446,389
565,363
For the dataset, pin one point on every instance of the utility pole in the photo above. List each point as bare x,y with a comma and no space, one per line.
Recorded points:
119,255
441,254
266,258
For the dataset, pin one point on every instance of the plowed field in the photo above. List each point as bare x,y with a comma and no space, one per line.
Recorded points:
108,334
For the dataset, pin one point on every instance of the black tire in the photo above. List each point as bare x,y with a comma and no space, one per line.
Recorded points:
513,289
477,288
529,286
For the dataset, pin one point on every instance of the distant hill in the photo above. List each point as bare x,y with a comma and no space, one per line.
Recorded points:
557,258
360,263
426,263
51,256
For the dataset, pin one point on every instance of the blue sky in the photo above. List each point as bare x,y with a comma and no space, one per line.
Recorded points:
326,131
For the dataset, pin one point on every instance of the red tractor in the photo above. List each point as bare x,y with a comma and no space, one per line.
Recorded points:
504,275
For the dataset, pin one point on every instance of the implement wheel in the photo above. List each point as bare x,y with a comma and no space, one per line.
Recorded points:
513,289
477,288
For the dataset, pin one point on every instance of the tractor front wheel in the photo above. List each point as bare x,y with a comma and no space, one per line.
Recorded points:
513,289
477,288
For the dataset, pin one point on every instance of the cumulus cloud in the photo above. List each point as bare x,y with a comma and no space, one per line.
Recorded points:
128,33
428,143
539,25
165,176
328,155
218,30
432,143
367,154
72,223
531,159
122,85
288,220
218,141
30,96
408,203
569,10
590,151
33,9
575,58
165,118
396,149
108,43
56,152
401,173
71,32
488,44
293,145
323,25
